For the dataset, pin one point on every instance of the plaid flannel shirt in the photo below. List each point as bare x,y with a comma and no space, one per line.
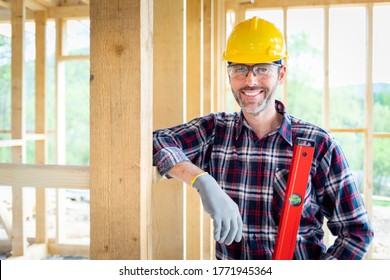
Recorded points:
253,172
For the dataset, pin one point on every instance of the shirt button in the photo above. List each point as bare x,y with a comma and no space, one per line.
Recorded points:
254,237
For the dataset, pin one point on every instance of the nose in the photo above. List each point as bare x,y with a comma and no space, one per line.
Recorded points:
251,78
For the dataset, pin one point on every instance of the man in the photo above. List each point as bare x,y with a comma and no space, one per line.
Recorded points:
239,162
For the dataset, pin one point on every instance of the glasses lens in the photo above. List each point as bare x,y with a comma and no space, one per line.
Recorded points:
238,71
261,71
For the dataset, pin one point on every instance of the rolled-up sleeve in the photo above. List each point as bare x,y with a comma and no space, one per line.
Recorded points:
185,142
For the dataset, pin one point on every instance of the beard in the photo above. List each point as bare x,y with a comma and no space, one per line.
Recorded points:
254,107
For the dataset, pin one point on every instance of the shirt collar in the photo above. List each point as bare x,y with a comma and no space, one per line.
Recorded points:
284,130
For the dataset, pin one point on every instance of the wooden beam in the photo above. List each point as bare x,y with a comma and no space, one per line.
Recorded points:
207,237
48,3
12,143
66,12
169,95
55,11
343,130
45,176
121,128
35,5
60,135
369,112
381,134
19,232
284,87
5,15
18,123
194,109
36,137
234,4
67,2
218,36
220,64
68,249
73,57
5,219
326,84
5,4
60,115
60,88
40,85
40,122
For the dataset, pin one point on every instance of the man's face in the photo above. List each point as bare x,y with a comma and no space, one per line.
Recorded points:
255,91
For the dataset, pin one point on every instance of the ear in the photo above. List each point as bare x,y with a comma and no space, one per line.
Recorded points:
282,74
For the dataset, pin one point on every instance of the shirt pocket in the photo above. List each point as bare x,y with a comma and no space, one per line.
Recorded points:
280,186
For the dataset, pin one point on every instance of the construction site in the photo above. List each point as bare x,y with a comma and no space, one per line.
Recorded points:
84,83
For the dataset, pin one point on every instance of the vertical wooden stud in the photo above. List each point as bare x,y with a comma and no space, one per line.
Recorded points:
60,136
218,84
220,33
18,123
40,120
239,17
121,130
208,107
369,107
285,82
169,96
61,49
195,69
326,95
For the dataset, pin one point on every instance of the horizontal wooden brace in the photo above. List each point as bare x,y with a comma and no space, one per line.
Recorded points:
44,175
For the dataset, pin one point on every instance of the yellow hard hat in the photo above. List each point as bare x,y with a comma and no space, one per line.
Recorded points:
255,41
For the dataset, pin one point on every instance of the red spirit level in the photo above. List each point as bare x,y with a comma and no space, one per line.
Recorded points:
293,200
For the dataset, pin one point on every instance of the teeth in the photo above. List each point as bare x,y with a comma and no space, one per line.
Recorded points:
251,93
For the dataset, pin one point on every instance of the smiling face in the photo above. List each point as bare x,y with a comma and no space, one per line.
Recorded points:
255,93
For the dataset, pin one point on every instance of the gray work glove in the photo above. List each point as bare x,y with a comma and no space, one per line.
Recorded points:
222,209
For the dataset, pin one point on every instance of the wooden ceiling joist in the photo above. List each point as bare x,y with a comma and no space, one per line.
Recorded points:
77,11
35,5
257,4
4,4
48,3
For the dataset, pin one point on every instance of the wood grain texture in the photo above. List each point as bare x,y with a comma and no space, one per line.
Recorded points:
169,94
121,109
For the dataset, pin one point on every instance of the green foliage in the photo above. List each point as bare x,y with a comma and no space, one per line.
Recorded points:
77,112
381,167
305,94
5,95
5,83
382,108
76,107
347,110
381,203
347,107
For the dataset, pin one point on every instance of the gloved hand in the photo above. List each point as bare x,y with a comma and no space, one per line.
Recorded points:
222,209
